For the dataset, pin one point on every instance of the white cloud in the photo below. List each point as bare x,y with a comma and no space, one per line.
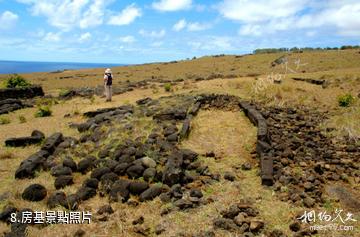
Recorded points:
213,43
127,39
85,37
67,14
196,26
251,30
7,20
261,10
180,25
266,17
172,5
153,34
94,15
126,16
157,44
52,37
190,26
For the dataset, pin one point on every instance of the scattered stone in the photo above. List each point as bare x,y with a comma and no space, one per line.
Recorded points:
147,162
57,199
5,215
52,142
106,209
229,176
135,171
85,165
149,174
99,172
85,193
73,201
139,220
63,181
91,183
256,225
225,224
246,166
34,193
79,233
68,162
295,226
196,193
137,187
308,202
60,170
33,163
210,154
159,229
183,204
152,192
119,190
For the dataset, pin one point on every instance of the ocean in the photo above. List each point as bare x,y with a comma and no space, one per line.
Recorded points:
8,67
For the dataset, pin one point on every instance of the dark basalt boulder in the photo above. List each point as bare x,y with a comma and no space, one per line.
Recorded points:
57,199
52,142
149,174
34,193
120,169
60,170
91,183
72,201
33,163
5,215
135,171
151,193
185,129
99,172
35,138
119,190
137,187
85,193
173,171
85,165
63,181
68,162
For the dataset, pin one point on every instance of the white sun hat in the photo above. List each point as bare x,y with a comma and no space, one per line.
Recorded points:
108,71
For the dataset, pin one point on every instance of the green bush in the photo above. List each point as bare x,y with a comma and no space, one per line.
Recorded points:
167,87
64,92
22,119
4,120
346,100
43,111
16,81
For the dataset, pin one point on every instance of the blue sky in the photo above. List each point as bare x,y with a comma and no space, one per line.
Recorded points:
122,31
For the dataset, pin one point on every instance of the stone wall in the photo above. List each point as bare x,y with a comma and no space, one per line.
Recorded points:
21,93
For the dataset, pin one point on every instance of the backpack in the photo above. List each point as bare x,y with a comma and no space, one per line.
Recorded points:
109,80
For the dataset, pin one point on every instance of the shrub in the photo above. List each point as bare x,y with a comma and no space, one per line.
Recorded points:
64,92
345,100
43,111
167,87
22,119
4,120
16,81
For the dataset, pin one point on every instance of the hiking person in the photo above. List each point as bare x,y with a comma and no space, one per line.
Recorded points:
108,84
